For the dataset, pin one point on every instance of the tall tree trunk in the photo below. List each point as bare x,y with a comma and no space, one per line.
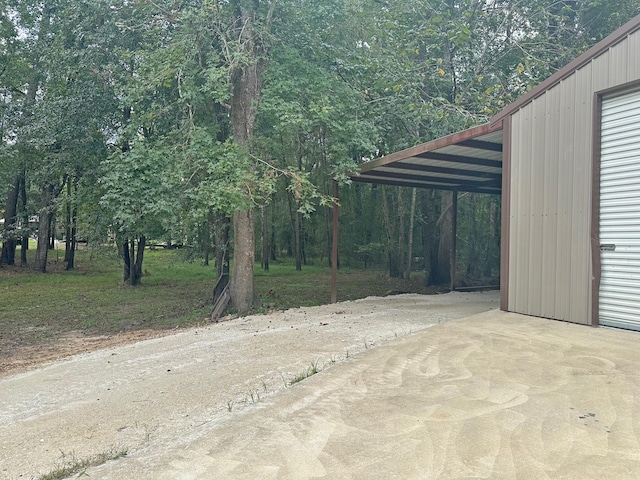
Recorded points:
390,228
273,246
241,286
52,232
133,255
493,247
429,236
297,225
266,250
67,222
401,234
327,225
246,86
446,241
44,227
24,244
222,226
70,228
298,240
204,236
71,263
334,243
126,259
412,216
475,244
292,221
136,274
10,218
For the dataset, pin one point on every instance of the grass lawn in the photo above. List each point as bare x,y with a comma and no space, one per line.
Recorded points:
92,299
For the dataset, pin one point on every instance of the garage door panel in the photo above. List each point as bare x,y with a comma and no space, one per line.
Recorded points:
619,296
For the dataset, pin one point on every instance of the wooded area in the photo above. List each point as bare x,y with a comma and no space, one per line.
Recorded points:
221,126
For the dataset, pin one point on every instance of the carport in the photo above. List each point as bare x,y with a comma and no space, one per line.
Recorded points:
564,158
467,161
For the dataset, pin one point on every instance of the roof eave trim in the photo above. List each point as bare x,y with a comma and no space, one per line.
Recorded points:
613,39
441,142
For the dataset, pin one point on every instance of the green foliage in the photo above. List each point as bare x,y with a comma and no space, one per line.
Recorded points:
138,190
217,176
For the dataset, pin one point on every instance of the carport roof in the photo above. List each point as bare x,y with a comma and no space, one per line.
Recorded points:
470,160
467,161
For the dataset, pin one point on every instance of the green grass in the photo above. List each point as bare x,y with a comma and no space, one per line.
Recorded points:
92,299
306,373
284,287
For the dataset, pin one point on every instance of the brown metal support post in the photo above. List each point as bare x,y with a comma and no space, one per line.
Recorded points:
334,246
454,237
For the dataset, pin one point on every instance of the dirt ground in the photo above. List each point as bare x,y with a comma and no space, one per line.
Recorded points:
29,357
142,396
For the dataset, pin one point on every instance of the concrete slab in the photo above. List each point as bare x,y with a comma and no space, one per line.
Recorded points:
495,395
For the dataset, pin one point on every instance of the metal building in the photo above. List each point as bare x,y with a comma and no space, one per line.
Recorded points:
566,157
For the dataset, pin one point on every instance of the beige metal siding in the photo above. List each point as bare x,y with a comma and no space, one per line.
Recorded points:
619,63
634,54
550,211
536,210
550,269
562,199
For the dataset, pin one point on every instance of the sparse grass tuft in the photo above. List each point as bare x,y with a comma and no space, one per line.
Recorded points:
71,465
306,373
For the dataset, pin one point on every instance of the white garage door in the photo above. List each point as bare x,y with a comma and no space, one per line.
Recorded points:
620,212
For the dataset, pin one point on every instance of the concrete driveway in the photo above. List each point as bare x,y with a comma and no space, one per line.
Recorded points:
493,395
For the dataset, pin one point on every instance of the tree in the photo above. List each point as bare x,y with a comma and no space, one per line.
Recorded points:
14,95
138,193
246,91
63,102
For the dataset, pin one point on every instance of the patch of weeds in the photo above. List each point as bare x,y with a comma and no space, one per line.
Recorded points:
229,406
88,324
72,465
312,370
251,397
